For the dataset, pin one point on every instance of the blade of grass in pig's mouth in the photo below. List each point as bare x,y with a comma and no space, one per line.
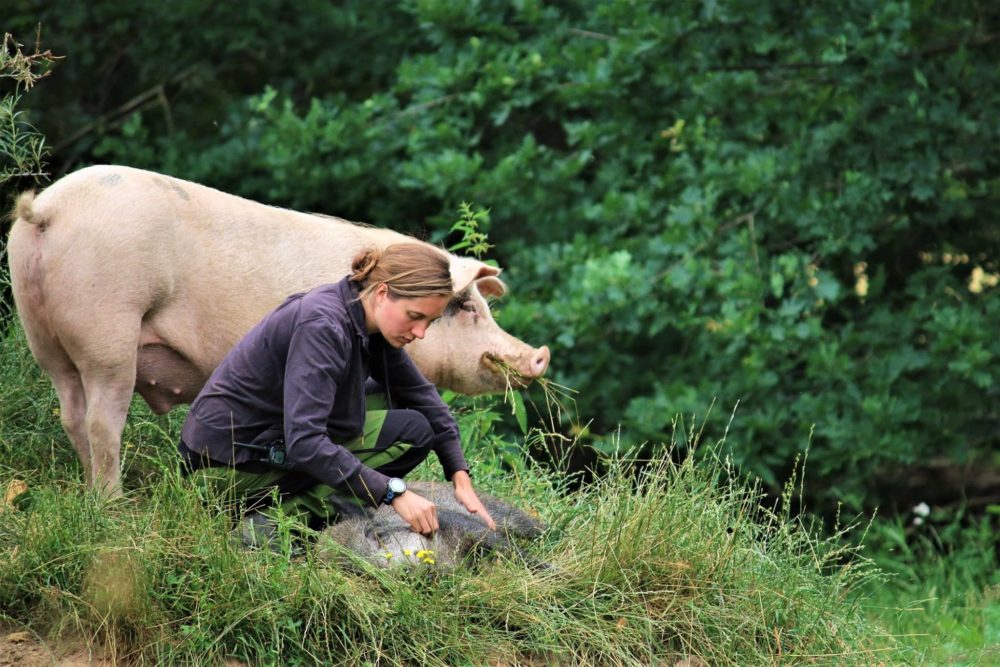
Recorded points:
497,365
492,362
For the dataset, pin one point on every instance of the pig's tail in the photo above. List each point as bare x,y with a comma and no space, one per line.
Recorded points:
363,264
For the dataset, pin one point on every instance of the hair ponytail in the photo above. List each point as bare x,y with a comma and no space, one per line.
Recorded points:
363,264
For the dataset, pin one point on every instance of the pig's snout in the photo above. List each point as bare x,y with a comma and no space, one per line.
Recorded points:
539,362
520,369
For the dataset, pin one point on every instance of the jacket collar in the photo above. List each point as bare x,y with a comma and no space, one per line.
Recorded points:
356,310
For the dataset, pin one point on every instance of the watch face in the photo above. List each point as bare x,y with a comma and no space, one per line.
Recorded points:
397,486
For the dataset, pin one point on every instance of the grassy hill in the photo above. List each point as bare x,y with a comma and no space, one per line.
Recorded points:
645,566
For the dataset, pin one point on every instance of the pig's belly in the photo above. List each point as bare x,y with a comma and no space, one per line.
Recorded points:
165,378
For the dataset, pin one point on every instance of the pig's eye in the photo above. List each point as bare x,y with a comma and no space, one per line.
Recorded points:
469,306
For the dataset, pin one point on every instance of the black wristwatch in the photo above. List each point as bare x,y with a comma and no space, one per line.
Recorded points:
395,487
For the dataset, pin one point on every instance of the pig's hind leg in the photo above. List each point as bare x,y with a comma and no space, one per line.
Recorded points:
73,413
108,393
65,376
105,352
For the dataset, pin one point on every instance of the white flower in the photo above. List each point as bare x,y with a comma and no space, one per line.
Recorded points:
922,510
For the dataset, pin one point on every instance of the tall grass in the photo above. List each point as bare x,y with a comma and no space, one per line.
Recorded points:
942,592
648,565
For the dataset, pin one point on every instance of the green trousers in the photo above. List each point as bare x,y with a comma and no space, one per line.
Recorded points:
296,494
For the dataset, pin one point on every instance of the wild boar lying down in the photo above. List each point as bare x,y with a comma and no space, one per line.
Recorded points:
384,539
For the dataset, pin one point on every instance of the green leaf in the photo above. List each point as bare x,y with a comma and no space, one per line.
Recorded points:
520,414
777,284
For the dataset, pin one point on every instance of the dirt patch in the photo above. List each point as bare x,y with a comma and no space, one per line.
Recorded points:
21,648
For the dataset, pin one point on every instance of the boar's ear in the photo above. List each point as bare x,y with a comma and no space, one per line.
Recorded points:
465,271
491,286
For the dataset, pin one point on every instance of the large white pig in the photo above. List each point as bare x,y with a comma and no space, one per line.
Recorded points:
127,280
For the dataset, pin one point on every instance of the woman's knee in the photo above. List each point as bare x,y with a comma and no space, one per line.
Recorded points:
420,431
407,426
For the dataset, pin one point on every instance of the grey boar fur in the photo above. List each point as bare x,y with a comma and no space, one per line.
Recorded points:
384,539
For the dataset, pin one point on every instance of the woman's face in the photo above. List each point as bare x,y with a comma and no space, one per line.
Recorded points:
400,321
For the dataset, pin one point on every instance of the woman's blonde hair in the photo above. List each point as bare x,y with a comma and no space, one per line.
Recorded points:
409,270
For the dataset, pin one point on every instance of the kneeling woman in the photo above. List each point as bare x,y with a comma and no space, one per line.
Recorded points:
285,412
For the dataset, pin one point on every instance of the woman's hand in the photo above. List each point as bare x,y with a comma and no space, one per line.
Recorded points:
465,494
417,511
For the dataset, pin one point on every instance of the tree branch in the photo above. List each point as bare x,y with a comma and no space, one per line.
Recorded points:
154,95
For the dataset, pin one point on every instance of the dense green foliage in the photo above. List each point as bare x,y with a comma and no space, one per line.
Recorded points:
790,207
787,207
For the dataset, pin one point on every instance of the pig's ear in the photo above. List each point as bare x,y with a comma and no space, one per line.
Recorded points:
491,286
465,271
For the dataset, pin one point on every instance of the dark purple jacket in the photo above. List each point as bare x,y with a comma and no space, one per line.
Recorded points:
301,371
